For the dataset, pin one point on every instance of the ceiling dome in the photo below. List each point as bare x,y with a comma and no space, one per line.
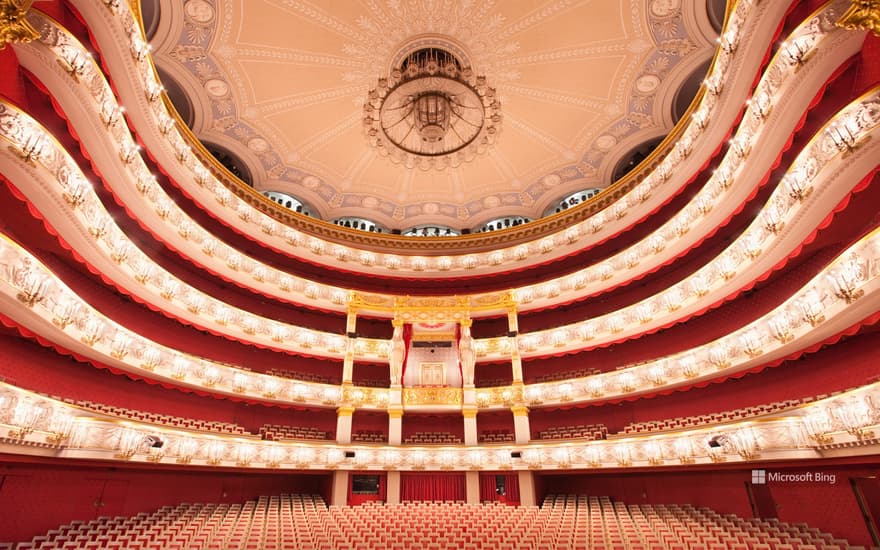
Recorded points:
397,115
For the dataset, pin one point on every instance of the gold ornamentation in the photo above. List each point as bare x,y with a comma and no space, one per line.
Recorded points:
14,28
862,15
432,396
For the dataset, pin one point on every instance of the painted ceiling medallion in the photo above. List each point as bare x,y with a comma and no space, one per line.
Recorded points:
432,111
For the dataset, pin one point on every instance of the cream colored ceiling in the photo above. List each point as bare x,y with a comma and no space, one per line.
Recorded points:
282,83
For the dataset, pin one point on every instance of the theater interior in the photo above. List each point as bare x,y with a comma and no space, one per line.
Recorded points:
436,274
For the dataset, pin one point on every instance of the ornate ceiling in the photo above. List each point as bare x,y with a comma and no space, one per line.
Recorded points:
282,85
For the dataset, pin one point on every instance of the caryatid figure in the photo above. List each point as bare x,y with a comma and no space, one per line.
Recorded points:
467,356
395,362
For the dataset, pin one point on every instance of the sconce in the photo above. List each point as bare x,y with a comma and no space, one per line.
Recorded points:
817,424
846,278
856,414
653,451
65,311
32,285
32,145
26,416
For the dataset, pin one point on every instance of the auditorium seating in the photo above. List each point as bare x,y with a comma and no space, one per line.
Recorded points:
564,375
685,422
165,419
369,436
496,436
590,432
564,522
432,438
277,432
301,376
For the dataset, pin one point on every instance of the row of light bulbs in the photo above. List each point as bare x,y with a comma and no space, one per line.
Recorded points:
28,417
843,281
857,118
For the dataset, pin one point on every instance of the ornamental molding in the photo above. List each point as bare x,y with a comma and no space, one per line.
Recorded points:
376,243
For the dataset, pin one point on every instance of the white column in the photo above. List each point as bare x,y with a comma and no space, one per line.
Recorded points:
472,479
339,495
522,432
527,488
392,488
470,426
516,363
350,339
343,424
395,426
515,359
348,362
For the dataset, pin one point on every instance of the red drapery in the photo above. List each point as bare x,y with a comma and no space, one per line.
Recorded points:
457,347
489,492
407,340
439,487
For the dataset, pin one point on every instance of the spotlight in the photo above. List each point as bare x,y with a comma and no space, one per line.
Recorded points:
154,442
718,441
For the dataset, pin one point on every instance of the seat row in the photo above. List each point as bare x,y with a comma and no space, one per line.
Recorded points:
580,431
564,522
432,438
369,436
496,436
301,376
165,419
277,432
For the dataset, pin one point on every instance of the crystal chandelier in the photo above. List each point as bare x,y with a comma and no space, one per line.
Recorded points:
432,111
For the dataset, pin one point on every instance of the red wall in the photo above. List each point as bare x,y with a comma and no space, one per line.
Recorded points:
452,423
37,497
832,508
495,421
369,422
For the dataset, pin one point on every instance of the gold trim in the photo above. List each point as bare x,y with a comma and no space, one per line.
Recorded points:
432,396
519,410
345,411
469,413
862,15
14,28
395,413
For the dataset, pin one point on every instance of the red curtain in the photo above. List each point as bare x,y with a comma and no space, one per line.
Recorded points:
458,346
487,488
489,493
407,339
512,484
439,487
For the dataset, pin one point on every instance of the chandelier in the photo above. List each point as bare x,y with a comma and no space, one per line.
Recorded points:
431,112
